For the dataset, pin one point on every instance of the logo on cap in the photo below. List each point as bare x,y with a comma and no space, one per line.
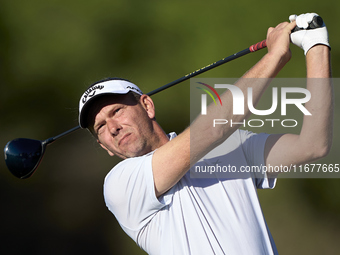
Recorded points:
93,90
133,88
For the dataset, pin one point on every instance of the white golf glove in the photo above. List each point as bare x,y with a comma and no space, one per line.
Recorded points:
306,39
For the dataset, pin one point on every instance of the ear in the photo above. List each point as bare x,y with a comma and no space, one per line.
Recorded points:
148,105
103,146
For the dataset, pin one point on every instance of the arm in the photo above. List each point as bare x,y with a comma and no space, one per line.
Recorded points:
315,138
171,161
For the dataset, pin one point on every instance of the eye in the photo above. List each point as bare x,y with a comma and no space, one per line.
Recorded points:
117,111
99,127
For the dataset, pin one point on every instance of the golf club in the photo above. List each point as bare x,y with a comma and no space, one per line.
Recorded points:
24,155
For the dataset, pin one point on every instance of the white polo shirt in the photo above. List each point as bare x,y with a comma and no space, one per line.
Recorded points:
198,215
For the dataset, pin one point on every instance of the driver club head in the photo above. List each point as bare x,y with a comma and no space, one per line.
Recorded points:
23,156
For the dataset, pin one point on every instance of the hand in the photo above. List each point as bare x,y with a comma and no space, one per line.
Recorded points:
306,39
278,41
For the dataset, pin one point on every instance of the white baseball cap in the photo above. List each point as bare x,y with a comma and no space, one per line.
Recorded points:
111,86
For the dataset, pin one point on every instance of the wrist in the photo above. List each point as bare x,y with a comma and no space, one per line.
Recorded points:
277,61
318,62
316,42
319,49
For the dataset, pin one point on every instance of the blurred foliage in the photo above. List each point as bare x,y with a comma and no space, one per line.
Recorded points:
52,50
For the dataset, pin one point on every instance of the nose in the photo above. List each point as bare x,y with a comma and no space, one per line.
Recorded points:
113,126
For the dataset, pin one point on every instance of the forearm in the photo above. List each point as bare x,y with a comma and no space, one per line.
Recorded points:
315,138
258,79
318,62
278,41
317,128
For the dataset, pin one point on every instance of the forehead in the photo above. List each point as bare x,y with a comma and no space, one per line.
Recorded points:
106,100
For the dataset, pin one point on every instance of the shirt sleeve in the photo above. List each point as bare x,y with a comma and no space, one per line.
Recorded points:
253,145
129,193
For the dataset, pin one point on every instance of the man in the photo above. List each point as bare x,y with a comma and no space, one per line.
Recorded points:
151,193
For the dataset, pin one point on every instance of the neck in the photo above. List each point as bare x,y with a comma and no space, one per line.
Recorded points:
160,137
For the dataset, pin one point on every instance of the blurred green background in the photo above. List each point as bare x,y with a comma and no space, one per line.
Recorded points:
50,51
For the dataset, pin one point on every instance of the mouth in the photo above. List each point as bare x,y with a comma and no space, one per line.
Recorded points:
123,139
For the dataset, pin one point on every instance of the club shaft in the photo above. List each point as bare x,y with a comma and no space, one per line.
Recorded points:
52,139
241,53
255,47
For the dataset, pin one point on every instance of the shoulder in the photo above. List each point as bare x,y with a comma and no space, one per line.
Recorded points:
128,167
129,192
122,182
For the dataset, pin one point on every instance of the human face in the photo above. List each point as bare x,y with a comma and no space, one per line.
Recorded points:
123,126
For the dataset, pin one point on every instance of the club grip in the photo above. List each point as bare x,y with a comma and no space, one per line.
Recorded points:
258,46
316,22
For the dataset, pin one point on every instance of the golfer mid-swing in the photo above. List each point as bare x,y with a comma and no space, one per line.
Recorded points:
151,193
